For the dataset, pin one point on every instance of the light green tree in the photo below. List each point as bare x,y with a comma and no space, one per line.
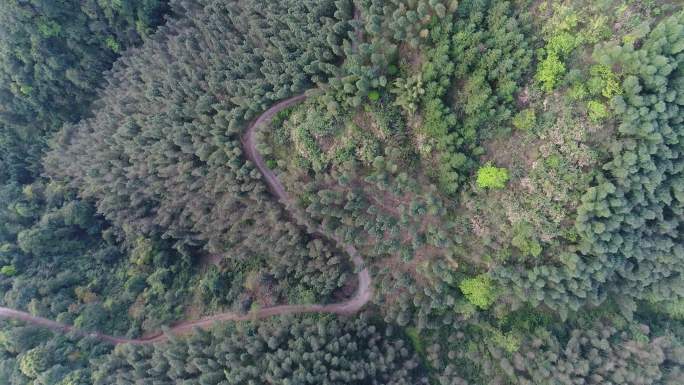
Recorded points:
492,177
479,290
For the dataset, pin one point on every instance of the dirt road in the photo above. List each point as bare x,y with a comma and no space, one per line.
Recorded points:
354,304
361,298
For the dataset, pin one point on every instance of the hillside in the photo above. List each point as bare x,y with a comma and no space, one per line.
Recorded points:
342,192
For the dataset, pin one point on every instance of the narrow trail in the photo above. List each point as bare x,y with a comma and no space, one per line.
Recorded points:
354,304
359,300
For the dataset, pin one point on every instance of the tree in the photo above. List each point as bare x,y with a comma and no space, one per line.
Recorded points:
479,290
492,177
549,71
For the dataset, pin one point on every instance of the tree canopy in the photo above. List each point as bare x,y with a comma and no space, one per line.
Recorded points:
341,192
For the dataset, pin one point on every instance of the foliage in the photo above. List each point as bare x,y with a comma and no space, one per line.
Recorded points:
524,120
35,356
549,71
492,177
299,350
479,290
546,271
483,85
597,354
222,75
347,204
52,58
597,111
627,220
407,21
65,262
490,79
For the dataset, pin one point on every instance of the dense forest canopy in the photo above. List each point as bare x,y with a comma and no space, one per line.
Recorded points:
53,56
496,185
162,153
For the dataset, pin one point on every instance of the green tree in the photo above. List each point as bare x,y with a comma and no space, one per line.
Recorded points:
479,290
524,120
492,177
549,72
597,111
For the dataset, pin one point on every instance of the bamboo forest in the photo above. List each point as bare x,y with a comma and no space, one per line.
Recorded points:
333,192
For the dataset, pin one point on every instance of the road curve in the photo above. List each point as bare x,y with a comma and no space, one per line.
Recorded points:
359,300
354,304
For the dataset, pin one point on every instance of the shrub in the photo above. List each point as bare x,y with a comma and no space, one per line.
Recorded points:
8,270
374,96
479,290
510,342
408,92
525,241
604,81
549,71
112,44
561,44
34,362
552,67
553,161
491,176
577,91
675,309
597,111
524,120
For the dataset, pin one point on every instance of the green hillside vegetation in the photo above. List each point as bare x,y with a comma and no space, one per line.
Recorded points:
508,174
52,58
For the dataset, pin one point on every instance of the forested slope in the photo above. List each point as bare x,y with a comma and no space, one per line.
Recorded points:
630,219
162,154
53,56
57,253
508,173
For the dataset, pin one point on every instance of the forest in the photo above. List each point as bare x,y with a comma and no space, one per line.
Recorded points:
385,192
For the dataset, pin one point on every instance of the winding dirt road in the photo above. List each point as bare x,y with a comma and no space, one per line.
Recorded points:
352,305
